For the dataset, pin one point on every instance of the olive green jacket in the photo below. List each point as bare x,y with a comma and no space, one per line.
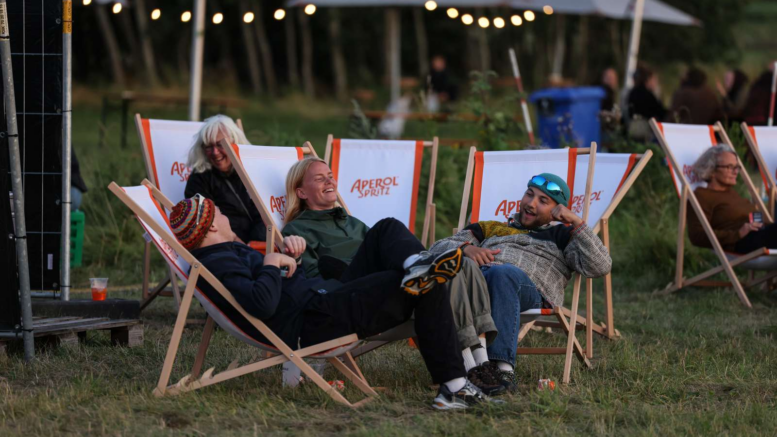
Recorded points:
330,232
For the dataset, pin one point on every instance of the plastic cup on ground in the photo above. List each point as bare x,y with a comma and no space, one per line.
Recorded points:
99,288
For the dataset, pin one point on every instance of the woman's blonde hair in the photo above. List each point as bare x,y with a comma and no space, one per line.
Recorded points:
207,135
295,205
705,166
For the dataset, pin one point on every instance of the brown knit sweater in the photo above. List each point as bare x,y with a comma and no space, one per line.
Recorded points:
726,211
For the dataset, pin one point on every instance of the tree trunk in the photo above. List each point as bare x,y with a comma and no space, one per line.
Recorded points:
127,29
393,31
423,44
250,46
485,53
291,52
307,54
338,61
559,50
581,66
110,41
145,43
264,48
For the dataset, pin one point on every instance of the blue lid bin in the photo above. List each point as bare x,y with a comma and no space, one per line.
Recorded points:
568,116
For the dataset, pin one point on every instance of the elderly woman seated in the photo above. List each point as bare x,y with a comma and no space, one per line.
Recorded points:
729,214
213,177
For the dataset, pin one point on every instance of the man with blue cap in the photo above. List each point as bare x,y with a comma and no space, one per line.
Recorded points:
528,261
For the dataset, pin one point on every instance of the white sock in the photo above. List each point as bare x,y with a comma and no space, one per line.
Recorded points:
480,354
410,260
455,385
469,360
504,366
482,341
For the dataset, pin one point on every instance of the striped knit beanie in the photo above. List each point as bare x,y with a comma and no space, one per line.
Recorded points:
183,220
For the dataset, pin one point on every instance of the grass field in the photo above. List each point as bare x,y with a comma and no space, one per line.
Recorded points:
696,363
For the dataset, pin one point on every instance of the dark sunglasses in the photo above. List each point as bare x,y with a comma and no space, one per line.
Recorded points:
199,199
551,186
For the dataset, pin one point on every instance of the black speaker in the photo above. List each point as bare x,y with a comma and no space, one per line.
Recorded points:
36,47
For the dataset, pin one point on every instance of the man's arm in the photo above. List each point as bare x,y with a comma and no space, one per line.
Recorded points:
258,296
586,254
309,257
461,238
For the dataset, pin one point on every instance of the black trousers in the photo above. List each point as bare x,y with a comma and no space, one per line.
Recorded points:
765,237
371,301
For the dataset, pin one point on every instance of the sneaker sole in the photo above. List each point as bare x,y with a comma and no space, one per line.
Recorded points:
441,407
443,269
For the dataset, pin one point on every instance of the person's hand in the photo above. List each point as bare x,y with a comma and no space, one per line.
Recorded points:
294,246
481,255
562,214
748,228
280,260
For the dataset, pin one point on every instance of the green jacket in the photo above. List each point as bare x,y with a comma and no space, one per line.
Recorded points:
330,232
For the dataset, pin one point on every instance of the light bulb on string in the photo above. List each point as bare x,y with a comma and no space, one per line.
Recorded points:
516,20
499,22
452,12
548,9
279,14
248,17
87,2
529,15
467,19
430,5
186,16
117,8
155,14
483,22
310,9
218,18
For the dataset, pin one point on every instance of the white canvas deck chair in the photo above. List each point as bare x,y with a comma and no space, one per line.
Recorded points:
148,205
683,144
380,178
492,177
762,141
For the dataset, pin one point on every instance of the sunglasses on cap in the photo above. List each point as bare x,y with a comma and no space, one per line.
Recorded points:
199,200
552,187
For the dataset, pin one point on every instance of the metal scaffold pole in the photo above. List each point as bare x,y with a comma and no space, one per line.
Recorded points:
12,134
67,63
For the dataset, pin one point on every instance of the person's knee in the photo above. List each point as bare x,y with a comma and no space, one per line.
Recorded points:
507,272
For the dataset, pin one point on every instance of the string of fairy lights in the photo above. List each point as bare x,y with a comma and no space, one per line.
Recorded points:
310,9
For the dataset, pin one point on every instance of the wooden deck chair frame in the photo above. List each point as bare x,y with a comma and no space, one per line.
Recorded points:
430,210
148,295
768,176
283,352
688,196
567,323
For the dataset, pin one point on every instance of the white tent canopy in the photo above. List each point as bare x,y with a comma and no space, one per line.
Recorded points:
616,9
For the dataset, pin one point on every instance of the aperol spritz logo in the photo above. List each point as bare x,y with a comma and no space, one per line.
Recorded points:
182,170
690,174
507,208
278,204
577,201
374,187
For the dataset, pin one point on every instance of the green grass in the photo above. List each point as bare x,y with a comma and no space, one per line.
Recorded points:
696,363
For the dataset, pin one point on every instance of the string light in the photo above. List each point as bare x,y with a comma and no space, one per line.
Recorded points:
499,22
186,16
467,19
310,9
528,15
453,12
155,14
87,2
248,17
516,20
279,14
430,5
218,18
483,22
116,8
548,9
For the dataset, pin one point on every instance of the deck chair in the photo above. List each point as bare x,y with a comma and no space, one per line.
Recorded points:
380,178
683,144
762,141
165,145
494,199
148,203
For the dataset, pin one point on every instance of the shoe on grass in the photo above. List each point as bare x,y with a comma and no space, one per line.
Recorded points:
508,380
486,380
430,270
470,395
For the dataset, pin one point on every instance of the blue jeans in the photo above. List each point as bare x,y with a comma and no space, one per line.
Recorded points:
511,292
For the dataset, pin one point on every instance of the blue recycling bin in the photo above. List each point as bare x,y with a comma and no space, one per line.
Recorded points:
568,116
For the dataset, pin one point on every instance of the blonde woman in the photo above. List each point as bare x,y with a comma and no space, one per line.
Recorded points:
213,177
333,238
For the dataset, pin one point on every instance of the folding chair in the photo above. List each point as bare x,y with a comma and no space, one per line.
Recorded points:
762,141
683,144
492,177
223,310
165,145
380,178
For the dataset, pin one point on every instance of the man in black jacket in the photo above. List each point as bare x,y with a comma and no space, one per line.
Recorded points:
308,311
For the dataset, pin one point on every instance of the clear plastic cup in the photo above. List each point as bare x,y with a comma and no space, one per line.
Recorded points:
99,288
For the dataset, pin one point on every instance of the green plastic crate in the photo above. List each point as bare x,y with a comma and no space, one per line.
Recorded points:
77,219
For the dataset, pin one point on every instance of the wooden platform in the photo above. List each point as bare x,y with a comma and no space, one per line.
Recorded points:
69,330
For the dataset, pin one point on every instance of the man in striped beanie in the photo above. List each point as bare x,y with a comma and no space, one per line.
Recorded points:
191,220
